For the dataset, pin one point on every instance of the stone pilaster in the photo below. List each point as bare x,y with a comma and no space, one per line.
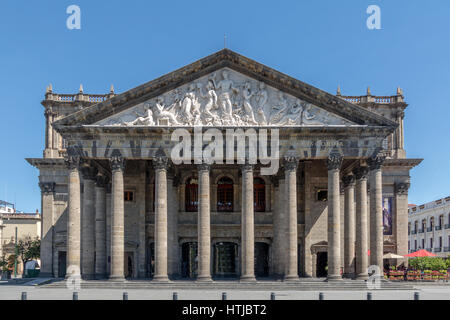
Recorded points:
290,172
248,225
376,211
361,223
100,226
88,223
160,164
47,210
204,224
117,220
334,163
349,226
73,218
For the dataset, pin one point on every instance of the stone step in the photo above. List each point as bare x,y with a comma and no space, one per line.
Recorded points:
229,285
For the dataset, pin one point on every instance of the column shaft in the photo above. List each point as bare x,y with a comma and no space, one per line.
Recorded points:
376,213
349,226
117,221
161,220
204,225
73,219
291,203
334,224
361,224
247,225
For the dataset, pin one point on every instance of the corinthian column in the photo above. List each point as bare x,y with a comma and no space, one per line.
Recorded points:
73,219
160,164
349,226
204,224
100,227
334,162
88,223
361,223
290,172
247,225
376,211
117,220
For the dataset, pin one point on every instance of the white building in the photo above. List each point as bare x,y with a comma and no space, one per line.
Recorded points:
429,227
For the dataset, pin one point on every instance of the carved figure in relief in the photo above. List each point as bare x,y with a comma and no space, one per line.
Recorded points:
211,103
247,94
308,118
227,88
261,98
142,120
161,114
279,110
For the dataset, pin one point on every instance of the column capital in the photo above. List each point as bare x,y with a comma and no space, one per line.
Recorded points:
203,167
101,180
72,161
290,162
401,188
361,172
47,187
117,163
88,171
348,181
376,161
247,167
334,161
160,162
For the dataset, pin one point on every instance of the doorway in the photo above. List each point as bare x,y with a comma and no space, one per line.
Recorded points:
189,260
62,264
225,254
261,259
129,264
322,263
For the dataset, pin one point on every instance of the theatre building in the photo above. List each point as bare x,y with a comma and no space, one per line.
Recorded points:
116,205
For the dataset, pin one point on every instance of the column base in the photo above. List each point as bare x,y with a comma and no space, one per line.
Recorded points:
291,278
247,278
161,278
336,277
362,276
348,275
204,279
116,278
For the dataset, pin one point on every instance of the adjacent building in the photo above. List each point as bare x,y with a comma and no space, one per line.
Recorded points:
429,227
117,204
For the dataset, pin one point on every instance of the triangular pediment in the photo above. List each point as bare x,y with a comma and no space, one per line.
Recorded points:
224,89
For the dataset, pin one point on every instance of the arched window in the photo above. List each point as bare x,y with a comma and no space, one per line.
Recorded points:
259,194
191,195
225,195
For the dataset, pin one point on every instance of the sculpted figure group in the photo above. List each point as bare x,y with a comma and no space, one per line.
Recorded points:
219,101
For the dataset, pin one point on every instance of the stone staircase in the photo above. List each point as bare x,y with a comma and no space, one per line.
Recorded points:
260,285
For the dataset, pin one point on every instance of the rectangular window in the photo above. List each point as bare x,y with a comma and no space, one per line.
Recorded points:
128,196
322,195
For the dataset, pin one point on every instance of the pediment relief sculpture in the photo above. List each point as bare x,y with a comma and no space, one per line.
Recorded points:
224,98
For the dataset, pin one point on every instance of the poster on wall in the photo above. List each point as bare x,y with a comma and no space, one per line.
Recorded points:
387,216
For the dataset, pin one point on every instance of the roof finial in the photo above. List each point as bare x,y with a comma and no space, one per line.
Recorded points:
81,88
368,91
50,88
338,93
224,40
47,89
111,90
399,91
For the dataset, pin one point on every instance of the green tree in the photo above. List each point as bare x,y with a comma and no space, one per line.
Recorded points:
29,249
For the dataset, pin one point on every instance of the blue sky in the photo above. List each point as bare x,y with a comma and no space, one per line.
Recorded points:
127,43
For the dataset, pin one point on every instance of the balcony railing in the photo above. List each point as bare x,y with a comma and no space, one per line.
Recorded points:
438,228
414,232
437,249
421,231
429,229
447,226
446,249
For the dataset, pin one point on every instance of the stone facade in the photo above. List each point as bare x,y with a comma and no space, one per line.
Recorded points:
120,208
429,226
